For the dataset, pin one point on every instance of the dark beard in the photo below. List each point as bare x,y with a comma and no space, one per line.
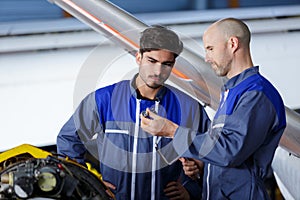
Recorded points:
154,87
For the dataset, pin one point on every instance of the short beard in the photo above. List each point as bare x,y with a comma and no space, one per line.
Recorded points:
154,87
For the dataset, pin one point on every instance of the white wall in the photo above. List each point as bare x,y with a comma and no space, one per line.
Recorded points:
37,87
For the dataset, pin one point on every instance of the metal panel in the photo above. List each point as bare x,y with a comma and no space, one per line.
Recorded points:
16,10
143,6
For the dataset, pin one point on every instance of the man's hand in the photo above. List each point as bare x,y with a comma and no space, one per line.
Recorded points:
192,168
175,190
110,187
157,126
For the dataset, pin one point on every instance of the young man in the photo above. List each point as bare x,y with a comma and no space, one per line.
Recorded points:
239,147
129,163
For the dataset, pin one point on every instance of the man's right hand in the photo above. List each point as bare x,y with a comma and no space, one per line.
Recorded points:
109,186
157,125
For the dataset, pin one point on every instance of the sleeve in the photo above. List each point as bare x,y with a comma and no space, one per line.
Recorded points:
77,136
231,140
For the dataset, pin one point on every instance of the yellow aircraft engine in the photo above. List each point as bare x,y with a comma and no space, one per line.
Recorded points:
28,172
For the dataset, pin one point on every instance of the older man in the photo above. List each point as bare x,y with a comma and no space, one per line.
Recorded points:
240,144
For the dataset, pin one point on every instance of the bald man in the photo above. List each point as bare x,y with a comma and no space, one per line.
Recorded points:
239,146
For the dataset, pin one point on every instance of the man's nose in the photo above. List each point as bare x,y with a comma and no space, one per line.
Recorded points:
158,68
207,58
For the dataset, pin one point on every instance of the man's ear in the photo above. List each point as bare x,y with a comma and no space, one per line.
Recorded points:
233,43
138,57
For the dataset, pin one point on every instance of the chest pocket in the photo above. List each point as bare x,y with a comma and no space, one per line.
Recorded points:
115,149
118,138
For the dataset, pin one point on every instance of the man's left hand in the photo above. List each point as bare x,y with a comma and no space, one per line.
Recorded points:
175,190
